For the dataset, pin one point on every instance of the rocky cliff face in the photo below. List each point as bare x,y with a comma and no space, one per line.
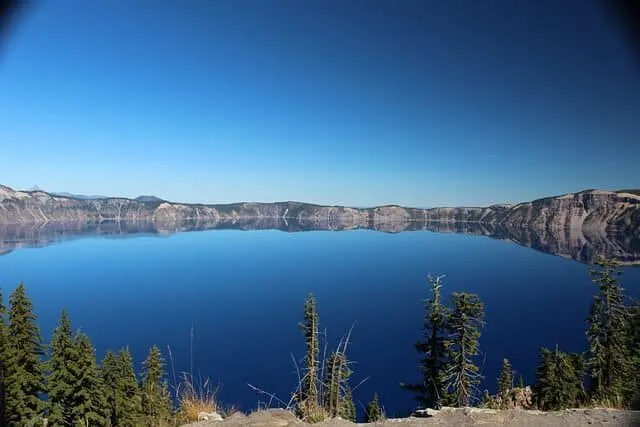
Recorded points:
593,210
580,226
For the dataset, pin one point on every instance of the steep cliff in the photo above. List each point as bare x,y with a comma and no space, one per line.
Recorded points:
580,226
589,210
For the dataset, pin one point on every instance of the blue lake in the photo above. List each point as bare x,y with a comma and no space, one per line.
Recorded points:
242,292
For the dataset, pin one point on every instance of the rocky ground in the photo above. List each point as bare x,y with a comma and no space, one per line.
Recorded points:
451,417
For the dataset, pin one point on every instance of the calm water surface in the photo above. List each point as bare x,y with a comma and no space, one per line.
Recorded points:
242,293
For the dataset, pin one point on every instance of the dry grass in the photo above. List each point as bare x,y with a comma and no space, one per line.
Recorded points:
195,397
311,412
606,403
228,410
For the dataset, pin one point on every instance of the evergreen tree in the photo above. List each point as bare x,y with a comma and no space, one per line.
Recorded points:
336,391
634,346
465,321
520,381
505,380
309,390
129,389
25,378
89,401
156,401
110,380
373,412
121,389
347,409
487,401
75,392
608,360
63,376
4,359
431,392
559,380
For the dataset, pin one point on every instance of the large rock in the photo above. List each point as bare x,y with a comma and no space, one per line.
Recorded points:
209,416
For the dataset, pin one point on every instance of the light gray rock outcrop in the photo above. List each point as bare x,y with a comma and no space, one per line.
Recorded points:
580,226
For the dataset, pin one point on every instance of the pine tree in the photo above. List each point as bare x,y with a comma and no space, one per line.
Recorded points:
121,389
110,380
347,409
505,380
332,392
609,360
336,392
547,387
131,402
63,376
156,401
4,359
25,379
373,412
633,340
431,392
520,381
465,321
559,379
89,401
487,401
309,391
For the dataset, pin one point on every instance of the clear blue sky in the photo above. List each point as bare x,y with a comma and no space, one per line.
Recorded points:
354,102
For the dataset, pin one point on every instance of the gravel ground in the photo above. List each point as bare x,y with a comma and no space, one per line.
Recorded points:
451,417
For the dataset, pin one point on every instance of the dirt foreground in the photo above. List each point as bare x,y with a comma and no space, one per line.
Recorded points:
450,417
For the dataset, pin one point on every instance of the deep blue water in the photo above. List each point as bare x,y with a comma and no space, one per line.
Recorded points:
242,293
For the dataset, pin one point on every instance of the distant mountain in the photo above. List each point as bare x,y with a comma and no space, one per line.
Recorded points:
148,199
78,196
635,191
143,199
